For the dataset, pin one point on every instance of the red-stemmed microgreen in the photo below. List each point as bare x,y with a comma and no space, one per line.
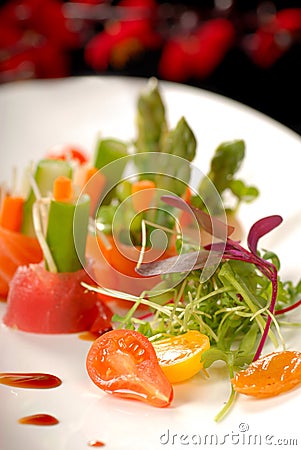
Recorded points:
231,250
278,312
235,307
227,249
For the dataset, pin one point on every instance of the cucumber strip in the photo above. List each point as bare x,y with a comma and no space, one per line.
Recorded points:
46,172
66,234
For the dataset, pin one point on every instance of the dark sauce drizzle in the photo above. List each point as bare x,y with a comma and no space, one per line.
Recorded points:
89,336
40,380
39,419
96,444
30,380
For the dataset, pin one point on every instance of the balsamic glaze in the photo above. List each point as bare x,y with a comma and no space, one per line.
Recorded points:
30,380
39,419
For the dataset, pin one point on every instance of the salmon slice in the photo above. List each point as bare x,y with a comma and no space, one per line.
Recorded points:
16,250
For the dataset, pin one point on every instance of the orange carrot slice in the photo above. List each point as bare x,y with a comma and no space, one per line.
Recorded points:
62,189
11,213
94,184
143,192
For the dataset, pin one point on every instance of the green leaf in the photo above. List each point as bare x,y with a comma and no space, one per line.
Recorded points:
212,355
226,162
249,341
117,318
146,329
271,256
242,191
242,360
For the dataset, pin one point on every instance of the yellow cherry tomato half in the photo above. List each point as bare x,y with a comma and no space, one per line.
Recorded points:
180,356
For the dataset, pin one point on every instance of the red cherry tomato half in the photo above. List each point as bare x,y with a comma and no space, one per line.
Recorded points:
67,152
124,363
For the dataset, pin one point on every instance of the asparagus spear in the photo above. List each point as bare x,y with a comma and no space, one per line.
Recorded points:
151,119
174,173
153,135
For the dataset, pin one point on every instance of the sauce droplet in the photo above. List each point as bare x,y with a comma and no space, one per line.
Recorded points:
30,380
89,336
39,419
94,443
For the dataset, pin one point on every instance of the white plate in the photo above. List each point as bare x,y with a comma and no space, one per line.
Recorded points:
36,115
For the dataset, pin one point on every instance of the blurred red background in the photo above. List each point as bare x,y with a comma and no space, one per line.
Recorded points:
246,50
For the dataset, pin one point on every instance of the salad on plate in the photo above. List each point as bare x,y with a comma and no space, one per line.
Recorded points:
140,252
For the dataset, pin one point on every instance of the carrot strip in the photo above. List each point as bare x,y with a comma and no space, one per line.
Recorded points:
187,195
12,213
90,172
143,192
62,189
94,185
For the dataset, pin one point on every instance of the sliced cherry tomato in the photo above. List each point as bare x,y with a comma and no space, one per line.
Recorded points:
124,258
124,363
270,375
68,152
180,356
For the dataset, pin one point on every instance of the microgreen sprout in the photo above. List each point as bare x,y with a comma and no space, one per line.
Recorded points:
39,215
237,307
37,212
232,250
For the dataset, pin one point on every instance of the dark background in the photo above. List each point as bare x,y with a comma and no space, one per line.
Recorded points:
274,90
